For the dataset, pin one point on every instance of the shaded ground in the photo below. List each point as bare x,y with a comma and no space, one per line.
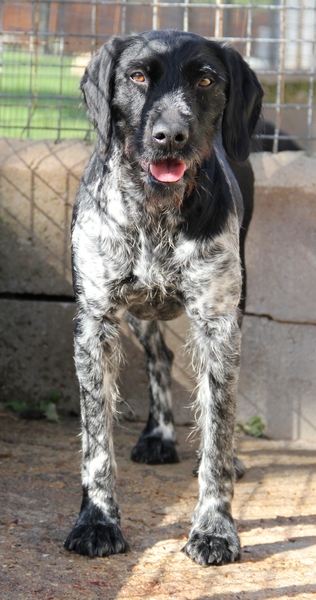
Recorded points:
40,491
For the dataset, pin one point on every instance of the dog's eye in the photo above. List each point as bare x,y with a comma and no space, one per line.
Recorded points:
138,76
205,82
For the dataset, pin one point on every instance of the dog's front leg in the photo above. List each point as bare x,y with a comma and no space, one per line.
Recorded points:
213,538
97,531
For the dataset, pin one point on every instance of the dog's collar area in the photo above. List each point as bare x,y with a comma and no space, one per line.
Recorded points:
169,170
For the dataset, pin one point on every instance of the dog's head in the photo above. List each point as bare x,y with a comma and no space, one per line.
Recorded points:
165,95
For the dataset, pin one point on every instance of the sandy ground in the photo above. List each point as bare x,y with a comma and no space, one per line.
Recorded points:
274,507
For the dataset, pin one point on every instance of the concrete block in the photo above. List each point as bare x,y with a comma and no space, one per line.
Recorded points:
38,183
278,377
36,352
36,359
37,189
281,248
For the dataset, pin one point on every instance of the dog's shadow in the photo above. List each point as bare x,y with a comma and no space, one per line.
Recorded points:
259,552
175,483
288,591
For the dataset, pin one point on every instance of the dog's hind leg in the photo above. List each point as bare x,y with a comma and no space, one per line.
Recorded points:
156,444
97,531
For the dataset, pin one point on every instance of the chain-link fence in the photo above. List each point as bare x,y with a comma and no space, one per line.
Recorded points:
45,45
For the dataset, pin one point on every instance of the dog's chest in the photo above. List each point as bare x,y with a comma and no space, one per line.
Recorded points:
154,279
148,247
153,262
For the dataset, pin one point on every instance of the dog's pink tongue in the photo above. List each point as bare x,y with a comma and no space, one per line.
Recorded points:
168,171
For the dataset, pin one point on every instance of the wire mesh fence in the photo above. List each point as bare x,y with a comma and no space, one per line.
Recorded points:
46,44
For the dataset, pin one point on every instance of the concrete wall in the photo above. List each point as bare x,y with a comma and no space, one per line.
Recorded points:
278,376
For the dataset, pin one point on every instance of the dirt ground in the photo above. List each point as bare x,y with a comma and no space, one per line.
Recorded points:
274,507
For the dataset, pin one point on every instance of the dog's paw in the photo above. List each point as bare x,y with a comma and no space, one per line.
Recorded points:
154,450
211,549
96,536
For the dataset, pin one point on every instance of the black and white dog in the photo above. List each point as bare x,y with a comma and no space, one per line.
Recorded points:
156,231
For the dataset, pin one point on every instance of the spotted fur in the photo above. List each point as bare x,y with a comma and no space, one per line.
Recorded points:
152,248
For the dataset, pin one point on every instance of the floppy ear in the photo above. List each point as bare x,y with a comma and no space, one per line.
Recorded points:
244,102
97,87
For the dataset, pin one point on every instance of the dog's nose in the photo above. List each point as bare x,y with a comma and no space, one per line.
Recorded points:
172,136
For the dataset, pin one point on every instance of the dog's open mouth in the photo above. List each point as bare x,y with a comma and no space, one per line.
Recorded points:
169,170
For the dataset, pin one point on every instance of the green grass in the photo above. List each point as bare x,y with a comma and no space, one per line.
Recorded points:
40,100
295,92
254,3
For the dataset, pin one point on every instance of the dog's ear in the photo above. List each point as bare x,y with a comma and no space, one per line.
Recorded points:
243,107
97,87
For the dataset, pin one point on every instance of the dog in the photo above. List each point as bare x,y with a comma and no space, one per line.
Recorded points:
261,143
158,229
